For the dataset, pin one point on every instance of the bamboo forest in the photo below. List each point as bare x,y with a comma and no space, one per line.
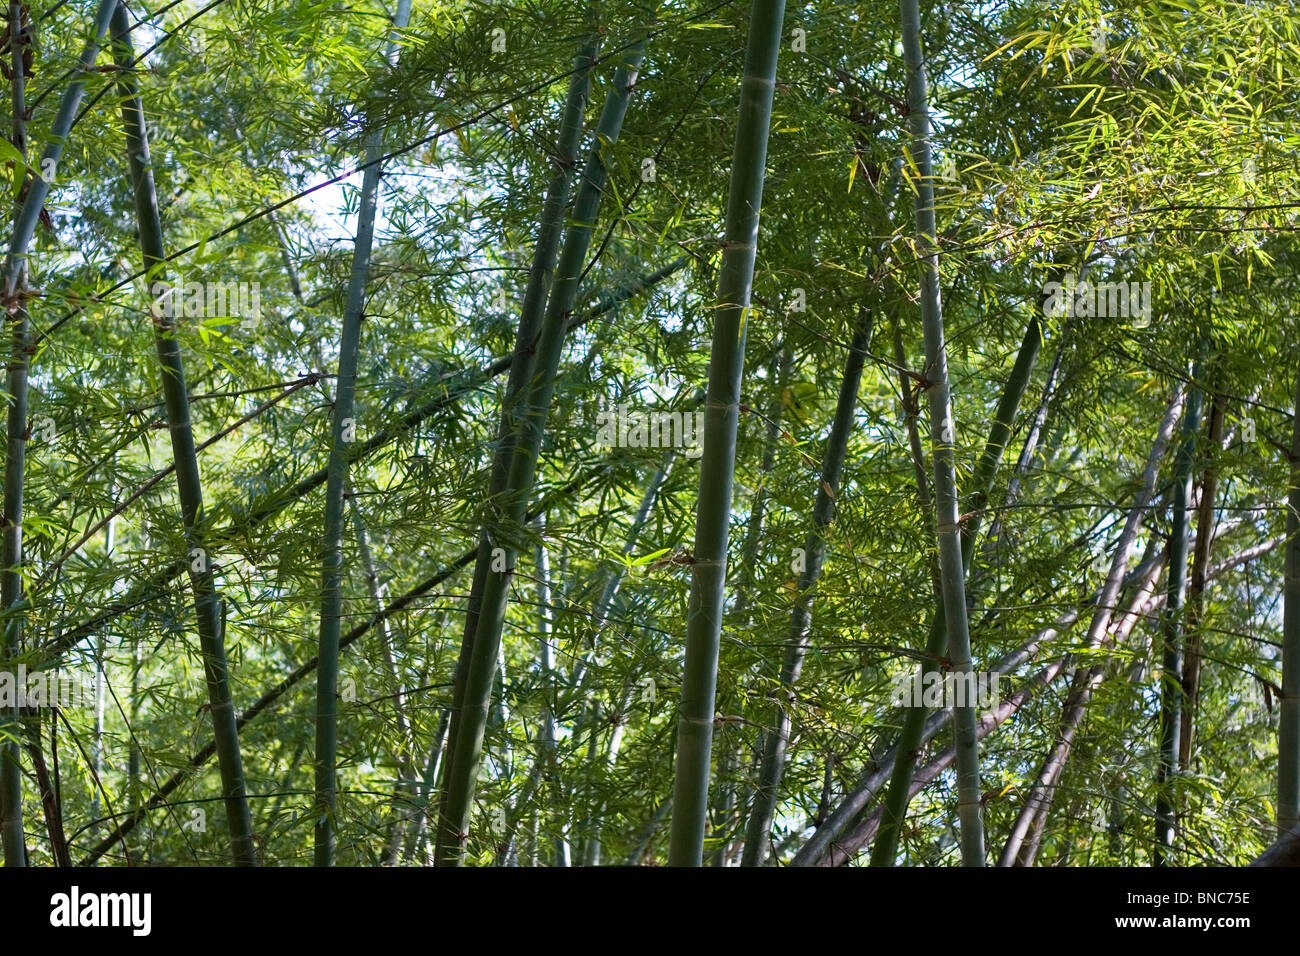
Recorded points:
650,433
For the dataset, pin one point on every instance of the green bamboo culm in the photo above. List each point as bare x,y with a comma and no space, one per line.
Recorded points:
343,429
541,274
207,604
777,737
35,189
943,439
1288,740
1171,684
507,512
721,417
11,793
894,806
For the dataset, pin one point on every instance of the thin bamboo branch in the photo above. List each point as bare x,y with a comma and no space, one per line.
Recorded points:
342,429
1033,812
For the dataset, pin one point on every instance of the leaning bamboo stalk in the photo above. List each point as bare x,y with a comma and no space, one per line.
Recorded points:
342,429
1085,682
207,604
507,515
1288,738
853,805
50,803
1033,434
777,738
718,461
531,313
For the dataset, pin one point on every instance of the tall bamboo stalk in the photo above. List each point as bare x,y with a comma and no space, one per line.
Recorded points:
11,794
35,189
943,438
1171,683
718,461
207,605
777,738
1288,738
343,426
507,514
540,277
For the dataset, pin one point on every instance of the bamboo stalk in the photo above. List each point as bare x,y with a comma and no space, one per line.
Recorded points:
777,738
342,427
1196,585
718,461
35,189
11,793
540,277
507,514
943,441
189,484
50,804
1288,736
1171,684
